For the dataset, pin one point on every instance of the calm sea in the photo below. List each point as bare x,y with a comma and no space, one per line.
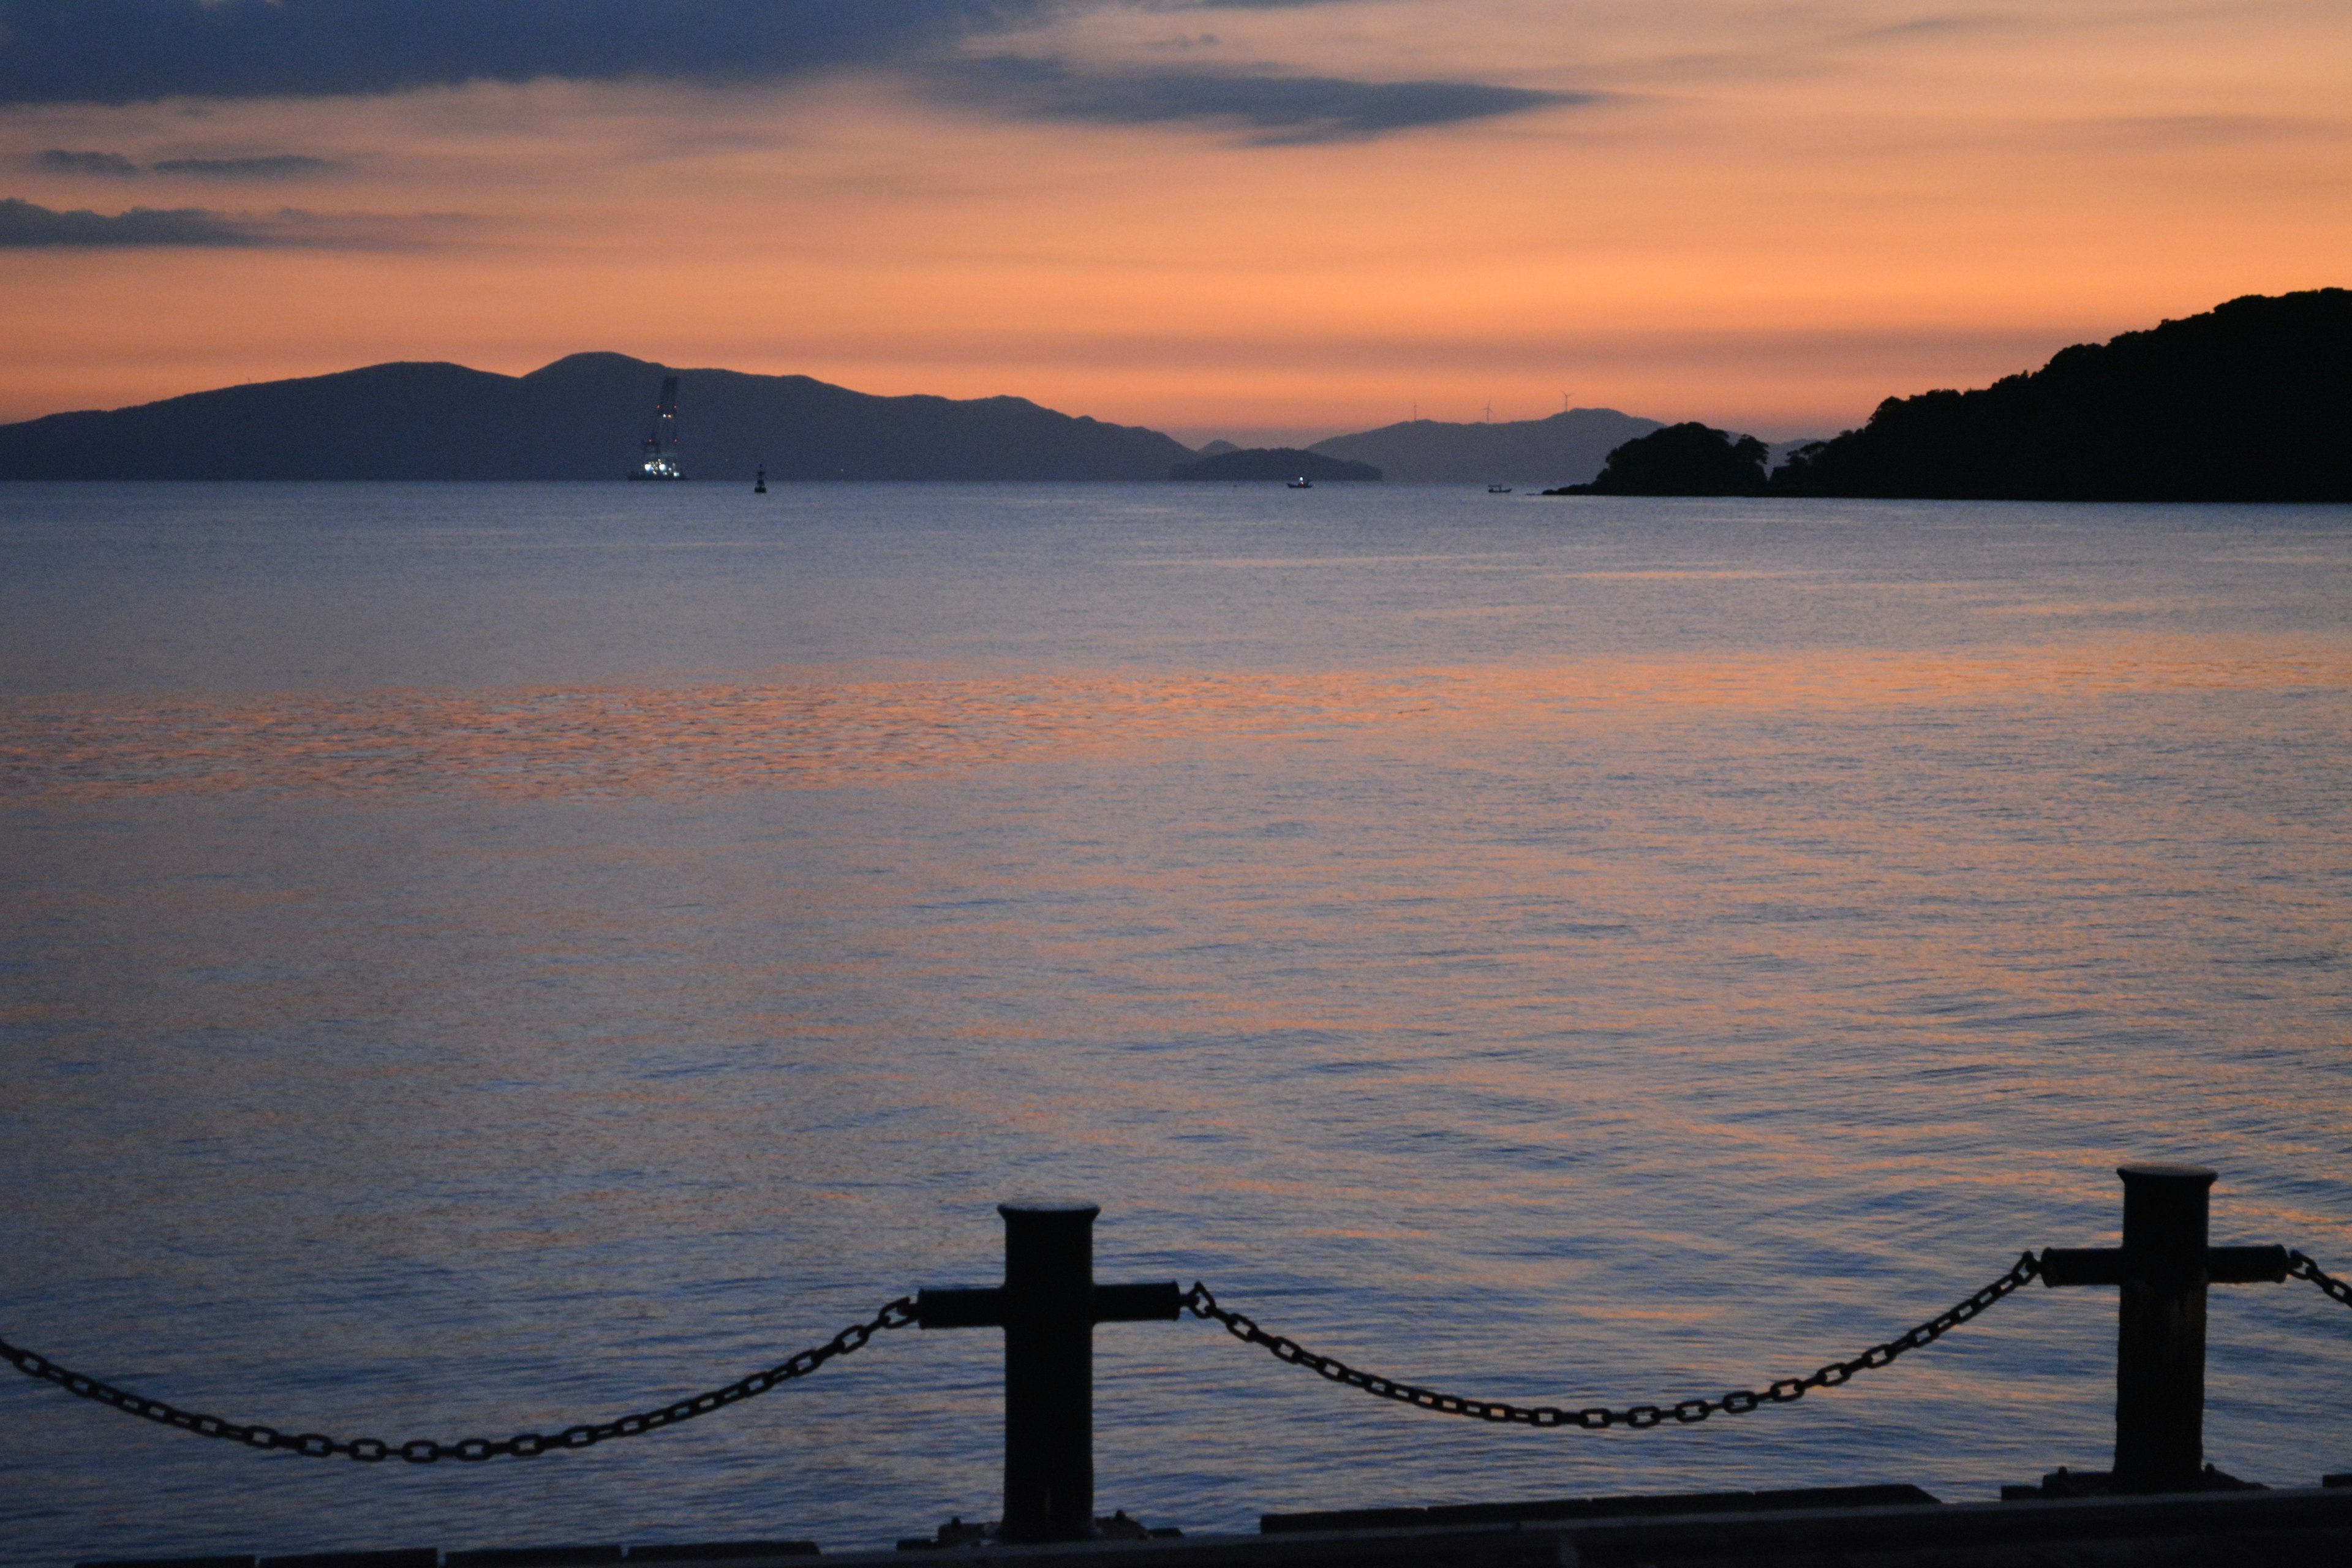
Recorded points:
483,958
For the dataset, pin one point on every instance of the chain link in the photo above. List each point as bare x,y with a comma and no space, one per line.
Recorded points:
1640,1417
2299,1267
898,1314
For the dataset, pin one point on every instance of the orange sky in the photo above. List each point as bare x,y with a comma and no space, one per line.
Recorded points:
1766,217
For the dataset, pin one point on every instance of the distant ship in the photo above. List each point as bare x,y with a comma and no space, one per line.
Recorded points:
1498,489
659,460
1301,483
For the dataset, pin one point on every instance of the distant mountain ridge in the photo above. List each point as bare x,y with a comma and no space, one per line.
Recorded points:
2247,402
1565,447
578,418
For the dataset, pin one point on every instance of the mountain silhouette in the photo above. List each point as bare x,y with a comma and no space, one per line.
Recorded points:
578,418
2249,402
1570,446
1271,463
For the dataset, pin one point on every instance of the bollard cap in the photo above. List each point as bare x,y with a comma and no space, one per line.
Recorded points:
2197,1173
1049,1210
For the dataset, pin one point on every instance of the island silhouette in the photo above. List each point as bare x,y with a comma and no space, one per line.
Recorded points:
1686,459
1254,463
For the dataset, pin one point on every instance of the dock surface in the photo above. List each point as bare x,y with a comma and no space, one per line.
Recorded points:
2310,1525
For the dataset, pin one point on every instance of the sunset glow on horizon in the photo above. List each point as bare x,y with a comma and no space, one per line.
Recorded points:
1213,219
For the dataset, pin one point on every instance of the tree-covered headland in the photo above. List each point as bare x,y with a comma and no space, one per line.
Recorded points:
2251,401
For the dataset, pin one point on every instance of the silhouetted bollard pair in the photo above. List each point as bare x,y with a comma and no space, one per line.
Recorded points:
1049,1304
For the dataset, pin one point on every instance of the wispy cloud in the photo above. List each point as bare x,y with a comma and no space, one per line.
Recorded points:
275,167
1935,26
27,226
2200,130
64,161
1267,106
269,167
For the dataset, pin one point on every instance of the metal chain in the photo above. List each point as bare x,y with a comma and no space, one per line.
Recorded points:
898,1314
2299,1267
1597,1419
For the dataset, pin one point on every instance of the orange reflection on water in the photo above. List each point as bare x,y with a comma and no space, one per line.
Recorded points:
818,732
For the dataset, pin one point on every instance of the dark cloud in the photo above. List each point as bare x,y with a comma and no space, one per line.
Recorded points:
61,161
24,226
275,166
270,166
117,51
1268,107
121,51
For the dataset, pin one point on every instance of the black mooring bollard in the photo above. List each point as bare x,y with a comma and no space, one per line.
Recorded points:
1049,1372
1047,1306
2160,1329
2163,1268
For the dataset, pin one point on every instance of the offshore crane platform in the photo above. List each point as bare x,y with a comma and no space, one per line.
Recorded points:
659,458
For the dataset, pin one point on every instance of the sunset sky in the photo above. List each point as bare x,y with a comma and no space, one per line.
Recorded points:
1262,218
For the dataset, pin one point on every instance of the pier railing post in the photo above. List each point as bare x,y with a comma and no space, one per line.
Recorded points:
2160,1329
2162,1268
1048,1307
1049,1386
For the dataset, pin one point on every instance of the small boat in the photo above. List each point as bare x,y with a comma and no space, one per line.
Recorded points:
1301,483
760,485
1498,489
